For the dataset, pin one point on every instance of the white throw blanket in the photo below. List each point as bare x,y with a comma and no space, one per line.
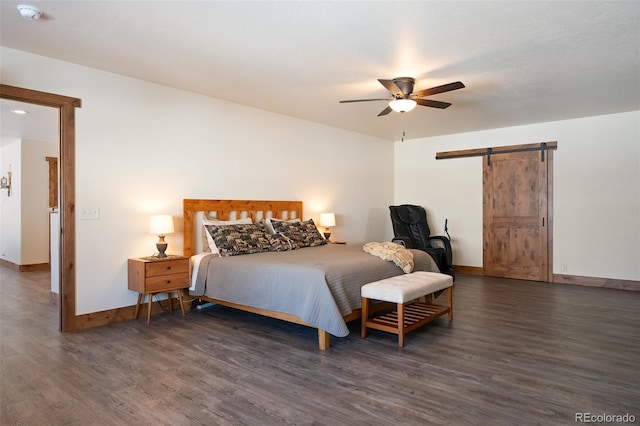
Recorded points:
393,252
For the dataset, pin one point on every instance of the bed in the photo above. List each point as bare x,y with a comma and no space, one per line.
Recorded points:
315,286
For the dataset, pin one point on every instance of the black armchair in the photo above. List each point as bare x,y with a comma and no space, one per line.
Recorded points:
410,228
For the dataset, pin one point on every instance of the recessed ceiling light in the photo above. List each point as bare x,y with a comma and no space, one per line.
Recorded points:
29,12
20,111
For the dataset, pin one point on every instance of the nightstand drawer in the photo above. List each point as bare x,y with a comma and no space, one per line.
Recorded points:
167,282
178,266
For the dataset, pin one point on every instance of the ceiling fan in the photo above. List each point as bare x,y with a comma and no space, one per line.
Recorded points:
405,99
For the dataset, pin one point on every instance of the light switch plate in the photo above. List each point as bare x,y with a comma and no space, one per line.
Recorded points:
90,213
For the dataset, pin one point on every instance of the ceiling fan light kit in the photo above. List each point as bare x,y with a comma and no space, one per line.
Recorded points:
402,105
405,99
29,12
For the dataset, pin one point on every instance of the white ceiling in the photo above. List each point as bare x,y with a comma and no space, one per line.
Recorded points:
40,123
522,61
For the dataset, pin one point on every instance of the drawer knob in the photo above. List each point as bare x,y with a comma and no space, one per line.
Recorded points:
168,267
168,281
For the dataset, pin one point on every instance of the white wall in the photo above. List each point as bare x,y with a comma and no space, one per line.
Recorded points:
10,159
35,200
24,216
141,148
596,190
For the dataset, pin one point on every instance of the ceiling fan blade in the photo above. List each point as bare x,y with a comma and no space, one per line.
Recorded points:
432,103
391,86
364,100
385,111
439,89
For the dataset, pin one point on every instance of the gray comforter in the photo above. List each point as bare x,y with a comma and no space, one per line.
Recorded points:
319,285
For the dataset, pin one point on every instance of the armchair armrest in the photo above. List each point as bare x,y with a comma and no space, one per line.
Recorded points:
403,241
439,241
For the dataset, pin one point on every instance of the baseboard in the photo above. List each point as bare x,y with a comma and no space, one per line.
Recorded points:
96,319
468,270
54,298
597,282
9,265
25,268
35,267
565,279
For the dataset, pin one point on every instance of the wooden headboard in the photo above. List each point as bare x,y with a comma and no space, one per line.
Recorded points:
195,210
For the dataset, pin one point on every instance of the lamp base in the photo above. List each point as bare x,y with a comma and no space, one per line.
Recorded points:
327,235
161,245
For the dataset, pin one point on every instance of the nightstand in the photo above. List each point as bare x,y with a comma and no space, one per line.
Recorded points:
151,275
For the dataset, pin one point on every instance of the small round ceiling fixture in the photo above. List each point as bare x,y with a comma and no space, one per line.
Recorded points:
402,105
29,12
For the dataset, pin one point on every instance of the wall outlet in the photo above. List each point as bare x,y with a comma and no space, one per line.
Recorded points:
90,213
564,268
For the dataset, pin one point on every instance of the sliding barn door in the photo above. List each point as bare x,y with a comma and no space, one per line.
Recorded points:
516,222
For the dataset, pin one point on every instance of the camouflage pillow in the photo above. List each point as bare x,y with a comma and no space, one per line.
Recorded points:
208,246
280,242
304,234
233,240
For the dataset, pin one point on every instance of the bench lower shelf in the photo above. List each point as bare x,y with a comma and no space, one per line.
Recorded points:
416,315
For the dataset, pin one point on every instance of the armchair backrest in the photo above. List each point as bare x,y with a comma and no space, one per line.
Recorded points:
411,221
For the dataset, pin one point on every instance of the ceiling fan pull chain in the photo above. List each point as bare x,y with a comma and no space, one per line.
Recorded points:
402,114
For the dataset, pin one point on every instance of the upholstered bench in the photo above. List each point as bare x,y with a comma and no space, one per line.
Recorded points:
401,290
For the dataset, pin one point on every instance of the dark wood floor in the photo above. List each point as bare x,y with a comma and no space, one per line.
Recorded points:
517,353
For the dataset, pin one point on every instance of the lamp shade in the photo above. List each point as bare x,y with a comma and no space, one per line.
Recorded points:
327,219
402,105
161,224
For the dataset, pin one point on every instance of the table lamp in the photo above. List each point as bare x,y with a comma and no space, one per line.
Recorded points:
327,220
161,225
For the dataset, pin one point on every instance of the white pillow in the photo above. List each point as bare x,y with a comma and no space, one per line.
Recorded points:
210,244
269,225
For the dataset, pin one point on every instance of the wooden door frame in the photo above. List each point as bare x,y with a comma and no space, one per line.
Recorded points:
66,107
550,216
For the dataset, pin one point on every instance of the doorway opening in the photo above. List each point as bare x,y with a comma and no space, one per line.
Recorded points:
30,135
66,107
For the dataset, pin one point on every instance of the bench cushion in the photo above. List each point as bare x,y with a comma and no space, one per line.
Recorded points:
404,288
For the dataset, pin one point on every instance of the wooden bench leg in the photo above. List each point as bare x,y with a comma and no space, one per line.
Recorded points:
364,317
401,325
